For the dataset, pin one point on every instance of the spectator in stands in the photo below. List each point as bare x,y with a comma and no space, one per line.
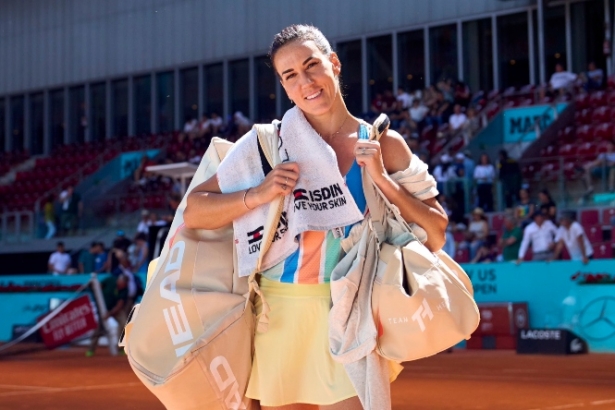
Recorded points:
100,258
458,119
443,172
471,126
477,232
377,105
115,295
561,81
216,124
572,235
509,174
449,244
603,166
144,223
404,98
119,247
138,253
541,235
487,252
439,111
190,129
546,205
510,241
593,78
418,113
59,261
469,164
484,175
242,123
71,210
86,259
49,211
462,94
390,102
204,127
524,208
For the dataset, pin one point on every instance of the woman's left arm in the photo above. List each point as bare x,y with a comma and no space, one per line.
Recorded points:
391,154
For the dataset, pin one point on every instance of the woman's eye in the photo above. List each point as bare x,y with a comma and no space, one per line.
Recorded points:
311,65
290,76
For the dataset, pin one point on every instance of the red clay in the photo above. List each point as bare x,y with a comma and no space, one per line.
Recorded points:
492,380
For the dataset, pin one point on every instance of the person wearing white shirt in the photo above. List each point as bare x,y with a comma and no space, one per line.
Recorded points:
418,111
484,175
541,234
404,98
59,261
571,235
457,119
560,79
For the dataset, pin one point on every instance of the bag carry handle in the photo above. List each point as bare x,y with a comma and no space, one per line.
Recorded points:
268,138
377,202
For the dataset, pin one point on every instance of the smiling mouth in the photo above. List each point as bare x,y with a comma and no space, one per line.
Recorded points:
315,95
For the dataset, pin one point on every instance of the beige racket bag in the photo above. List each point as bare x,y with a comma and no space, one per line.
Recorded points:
422,302
190,340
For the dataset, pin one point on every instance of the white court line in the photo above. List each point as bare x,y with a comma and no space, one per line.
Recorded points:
18,386
575,405
66,389
601,402
488,377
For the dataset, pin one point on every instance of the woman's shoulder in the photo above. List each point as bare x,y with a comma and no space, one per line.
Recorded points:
396,154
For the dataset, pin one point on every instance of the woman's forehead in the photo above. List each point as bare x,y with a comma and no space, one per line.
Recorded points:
294,51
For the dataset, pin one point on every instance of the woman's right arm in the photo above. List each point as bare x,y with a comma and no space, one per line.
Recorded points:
208,208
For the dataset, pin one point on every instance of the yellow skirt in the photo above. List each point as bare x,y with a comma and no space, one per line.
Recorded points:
292,363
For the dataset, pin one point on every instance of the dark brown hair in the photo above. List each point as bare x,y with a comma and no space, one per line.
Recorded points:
301,32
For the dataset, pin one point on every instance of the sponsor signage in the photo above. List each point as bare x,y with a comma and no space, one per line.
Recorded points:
502,319
520,123
550,341
76,319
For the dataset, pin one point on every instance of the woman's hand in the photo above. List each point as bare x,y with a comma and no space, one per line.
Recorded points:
280,181
369,155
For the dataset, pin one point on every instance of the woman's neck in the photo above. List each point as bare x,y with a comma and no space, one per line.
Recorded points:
331,122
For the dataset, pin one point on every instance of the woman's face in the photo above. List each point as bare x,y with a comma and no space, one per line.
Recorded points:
523,194
484,159
308,76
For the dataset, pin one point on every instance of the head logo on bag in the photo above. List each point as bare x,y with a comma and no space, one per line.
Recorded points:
175,316
233,398
424,311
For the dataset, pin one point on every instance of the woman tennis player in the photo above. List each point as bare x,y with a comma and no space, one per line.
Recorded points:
292,367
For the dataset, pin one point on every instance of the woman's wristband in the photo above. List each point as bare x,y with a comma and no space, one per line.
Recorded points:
244,199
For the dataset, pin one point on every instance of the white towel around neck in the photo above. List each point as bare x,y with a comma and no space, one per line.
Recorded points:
321,200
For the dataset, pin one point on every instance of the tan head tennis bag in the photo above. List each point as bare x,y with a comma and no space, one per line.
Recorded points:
190,340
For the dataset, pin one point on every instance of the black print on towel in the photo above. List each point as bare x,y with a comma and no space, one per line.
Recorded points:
255,236
322,199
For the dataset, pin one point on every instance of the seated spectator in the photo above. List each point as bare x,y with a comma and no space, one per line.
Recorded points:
377,105
242,123
541,235
488,252
86,259
439,111
398,116
484,176
390,103
561,81
510,241
59,261
404,98
462,94
478,230
204,127
593,78
190,129
524,208
546,205
417,113
603,166
216,124
458,119
572,235
471,126
100,258
138,253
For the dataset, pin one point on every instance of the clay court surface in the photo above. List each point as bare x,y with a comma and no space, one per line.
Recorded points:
494,380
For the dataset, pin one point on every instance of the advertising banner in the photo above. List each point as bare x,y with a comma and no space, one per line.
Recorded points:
76,319
520,123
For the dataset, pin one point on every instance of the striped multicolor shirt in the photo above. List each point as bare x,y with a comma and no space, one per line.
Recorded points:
319,251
